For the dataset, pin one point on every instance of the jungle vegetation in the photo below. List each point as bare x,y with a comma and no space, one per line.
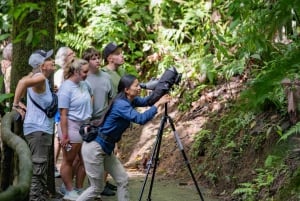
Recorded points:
208,41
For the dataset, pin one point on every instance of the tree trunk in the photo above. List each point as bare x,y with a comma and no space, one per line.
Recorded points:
41,25
39,21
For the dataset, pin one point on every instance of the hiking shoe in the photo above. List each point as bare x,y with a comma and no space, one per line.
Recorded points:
111,186
107,192
71,195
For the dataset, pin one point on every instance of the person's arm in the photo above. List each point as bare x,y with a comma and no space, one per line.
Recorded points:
64,100
23,84
64,126
140,101
128,112
143,102
26,82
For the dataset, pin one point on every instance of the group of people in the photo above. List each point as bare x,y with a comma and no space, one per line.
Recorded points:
87,93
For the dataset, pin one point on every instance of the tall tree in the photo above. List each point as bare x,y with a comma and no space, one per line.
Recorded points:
34,27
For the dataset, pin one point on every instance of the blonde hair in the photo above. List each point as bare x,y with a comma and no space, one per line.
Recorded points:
73,66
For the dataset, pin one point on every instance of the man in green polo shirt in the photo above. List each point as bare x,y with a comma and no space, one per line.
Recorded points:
114,58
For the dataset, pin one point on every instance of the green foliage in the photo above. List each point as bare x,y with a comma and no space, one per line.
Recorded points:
213,40
247,191
267,81
76,41
169,28
230,126
5,20
293,130
187,23
236,67
205,66
264,179
95,23
4,97
256,37
189,96
200,139
271,161
33,34
22,10
212,177
291,188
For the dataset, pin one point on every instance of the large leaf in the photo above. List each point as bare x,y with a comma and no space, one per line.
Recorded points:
4,97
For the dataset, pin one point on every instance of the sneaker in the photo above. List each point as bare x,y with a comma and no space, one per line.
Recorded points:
108,192
111,186
71,195
79,190
56,173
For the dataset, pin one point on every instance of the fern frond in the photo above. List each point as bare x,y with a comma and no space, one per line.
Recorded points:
293,130
78,42
246,188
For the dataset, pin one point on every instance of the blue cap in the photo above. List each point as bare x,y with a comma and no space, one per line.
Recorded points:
38,57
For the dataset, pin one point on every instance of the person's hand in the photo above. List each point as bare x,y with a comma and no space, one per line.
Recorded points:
21,109
164,99
22,105
64,141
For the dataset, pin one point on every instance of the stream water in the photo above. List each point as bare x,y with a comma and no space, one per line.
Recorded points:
162,190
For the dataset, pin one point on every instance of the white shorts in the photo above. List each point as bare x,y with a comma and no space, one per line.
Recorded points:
73,131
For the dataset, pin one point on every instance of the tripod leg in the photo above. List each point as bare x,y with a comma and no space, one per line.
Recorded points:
184,156
155,153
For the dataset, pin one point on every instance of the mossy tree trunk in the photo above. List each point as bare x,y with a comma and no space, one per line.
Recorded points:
36,31
34,28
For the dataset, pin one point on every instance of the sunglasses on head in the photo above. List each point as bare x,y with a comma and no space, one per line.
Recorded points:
41,52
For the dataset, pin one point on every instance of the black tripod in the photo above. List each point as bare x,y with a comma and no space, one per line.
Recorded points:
155,155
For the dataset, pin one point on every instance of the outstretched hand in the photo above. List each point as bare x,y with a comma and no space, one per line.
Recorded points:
164,99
